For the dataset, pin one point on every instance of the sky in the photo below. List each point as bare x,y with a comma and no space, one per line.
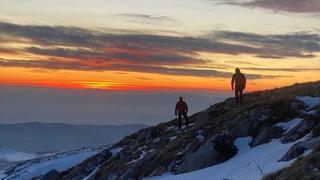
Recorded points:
154,45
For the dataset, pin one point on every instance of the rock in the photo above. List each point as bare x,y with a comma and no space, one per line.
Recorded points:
316,130
299,148
51,175
300,130
260,114
214,151
223,143
245,127
297,105
217,110
266,135
247,123
85,168
201,119
141,136
157,172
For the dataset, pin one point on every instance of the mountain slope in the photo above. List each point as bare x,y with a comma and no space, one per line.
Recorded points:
44,137
31,165
286,117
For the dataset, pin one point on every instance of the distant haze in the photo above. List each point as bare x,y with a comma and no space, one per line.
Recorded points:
44,137
29,104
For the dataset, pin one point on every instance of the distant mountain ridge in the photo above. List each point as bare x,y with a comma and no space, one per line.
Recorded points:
49,137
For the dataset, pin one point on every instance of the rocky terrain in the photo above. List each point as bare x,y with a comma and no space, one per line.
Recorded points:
289,116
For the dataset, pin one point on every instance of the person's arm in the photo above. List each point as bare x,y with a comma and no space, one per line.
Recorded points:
175,112
232,82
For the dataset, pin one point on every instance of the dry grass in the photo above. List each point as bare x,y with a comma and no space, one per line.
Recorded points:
305,168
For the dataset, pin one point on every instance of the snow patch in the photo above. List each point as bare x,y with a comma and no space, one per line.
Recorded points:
172,138
287,126
141,157
92,173
171,128
116,150
309,101
200,137
247,164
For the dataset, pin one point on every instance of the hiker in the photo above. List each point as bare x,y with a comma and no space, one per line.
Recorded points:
182,110
238,84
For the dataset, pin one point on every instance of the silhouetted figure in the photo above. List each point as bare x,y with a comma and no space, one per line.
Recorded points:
182,110
238,84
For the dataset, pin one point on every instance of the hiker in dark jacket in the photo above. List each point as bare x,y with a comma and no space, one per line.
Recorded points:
182,110
238,84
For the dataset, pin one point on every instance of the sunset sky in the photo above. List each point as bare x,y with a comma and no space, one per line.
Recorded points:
158,44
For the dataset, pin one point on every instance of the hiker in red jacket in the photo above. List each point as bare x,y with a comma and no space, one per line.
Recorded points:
238,84
182,110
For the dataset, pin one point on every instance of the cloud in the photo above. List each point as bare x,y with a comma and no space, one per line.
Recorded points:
67,65
75,48
51,35
123,55
145,18
289,45
7,51
300,45
294,6
283,69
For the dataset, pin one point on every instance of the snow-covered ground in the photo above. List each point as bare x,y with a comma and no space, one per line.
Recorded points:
40,165
12,155
248,164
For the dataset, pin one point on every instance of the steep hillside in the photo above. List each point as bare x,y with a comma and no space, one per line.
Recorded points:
49,137
276,125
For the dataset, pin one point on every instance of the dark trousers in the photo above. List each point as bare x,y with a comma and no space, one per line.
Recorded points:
238,94
185,118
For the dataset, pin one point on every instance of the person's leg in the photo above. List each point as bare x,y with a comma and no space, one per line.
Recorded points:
186,119
237,95
241,94
179,120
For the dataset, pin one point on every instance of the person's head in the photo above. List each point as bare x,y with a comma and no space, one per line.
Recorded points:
180,98
237,70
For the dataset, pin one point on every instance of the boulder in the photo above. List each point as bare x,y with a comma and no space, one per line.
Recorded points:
216,150
260,114
297,105
300,130
299,148
266,135
201,119
248,123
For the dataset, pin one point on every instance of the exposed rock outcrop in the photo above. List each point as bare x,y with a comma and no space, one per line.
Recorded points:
266,135
303,128
216,150
300,148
